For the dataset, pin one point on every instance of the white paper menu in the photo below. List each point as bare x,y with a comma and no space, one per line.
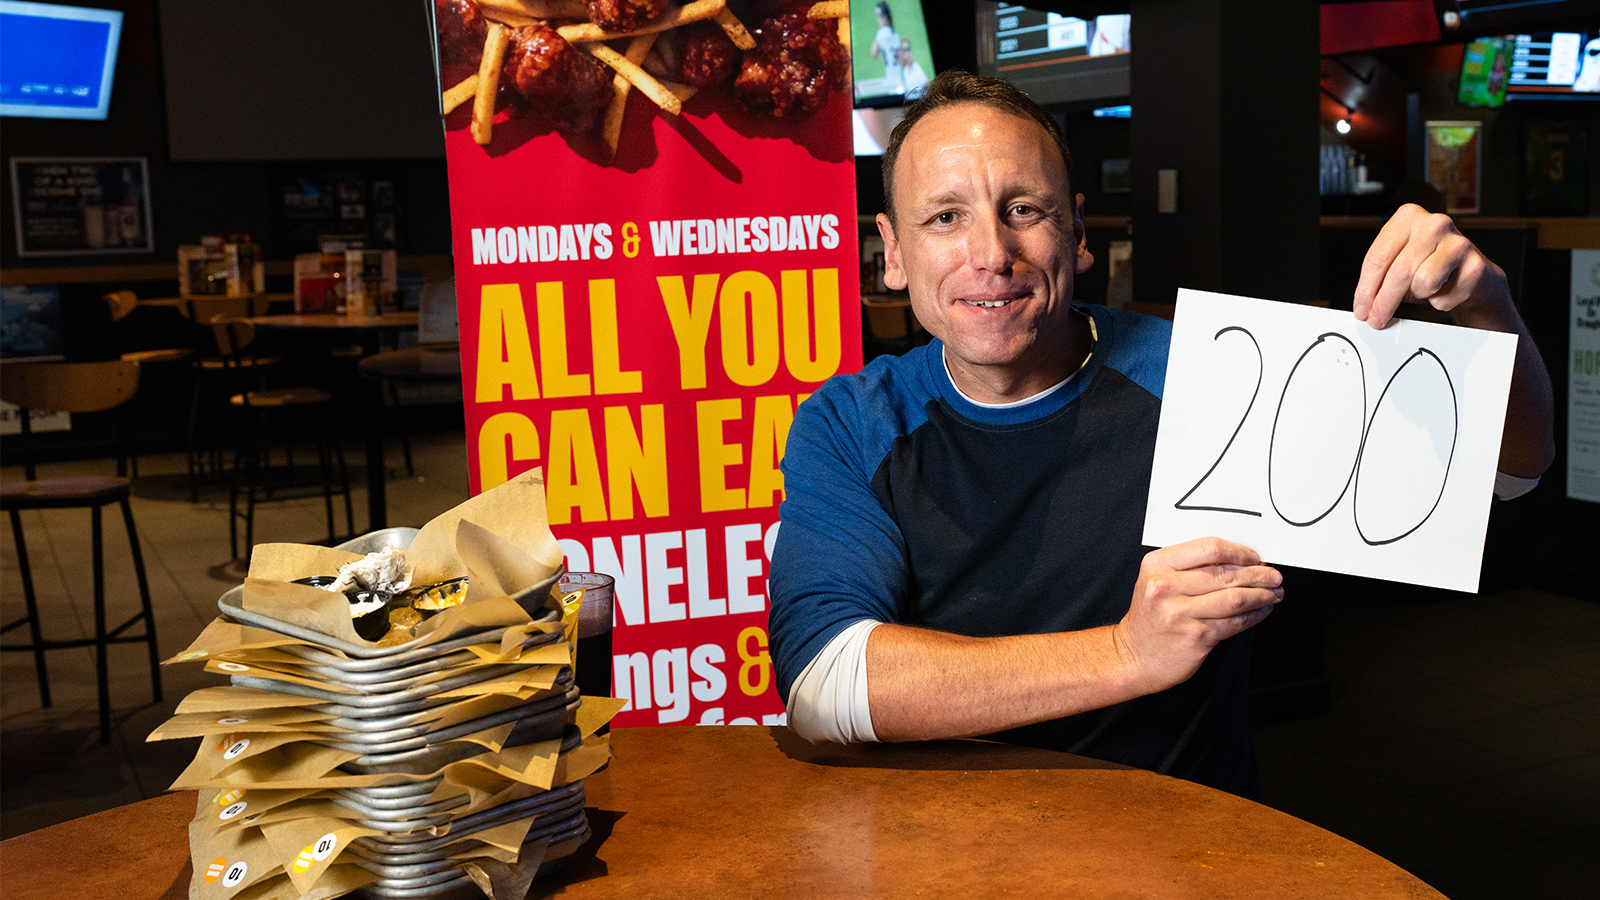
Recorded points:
1322,443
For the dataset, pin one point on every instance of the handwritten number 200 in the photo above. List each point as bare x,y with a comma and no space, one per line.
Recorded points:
1337,482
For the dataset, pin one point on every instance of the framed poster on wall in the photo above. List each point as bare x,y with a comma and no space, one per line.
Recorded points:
1454,160
81,206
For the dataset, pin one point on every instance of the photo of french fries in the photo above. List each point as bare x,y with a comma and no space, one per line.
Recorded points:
577,62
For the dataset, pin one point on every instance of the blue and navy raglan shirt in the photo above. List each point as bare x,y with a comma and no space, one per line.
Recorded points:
908,503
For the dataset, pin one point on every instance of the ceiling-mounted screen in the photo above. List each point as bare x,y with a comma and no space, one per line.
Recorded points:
1562,65
1476,17
889,53
1056,58
56,62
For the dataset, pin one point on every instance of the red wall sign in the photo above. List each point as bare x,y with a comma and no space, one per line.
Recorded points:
643,322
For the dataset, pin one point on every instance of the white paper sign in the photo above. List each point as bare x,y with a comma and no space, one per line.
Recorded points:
1322,443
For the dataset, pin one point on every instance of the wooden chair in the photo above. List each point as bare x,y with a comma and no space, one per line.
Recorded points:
889,325
75,388
252,461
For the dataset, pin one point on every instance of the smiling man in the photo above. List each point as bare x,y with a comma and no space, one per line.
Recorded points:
960,551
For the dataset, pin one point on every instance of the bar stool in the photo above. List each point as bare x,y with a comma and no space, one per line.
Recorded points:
252,457
121,303
217,378
76,388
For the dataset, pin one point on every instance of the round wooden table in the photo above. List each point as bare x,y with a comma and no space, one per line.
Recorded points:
727,811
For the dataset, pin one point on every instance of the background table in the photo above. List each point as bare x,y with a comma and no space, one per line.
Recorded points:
368,328
697,812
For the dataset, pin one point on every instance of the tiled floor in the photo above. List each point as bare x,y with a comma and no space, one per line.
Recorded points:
1463,744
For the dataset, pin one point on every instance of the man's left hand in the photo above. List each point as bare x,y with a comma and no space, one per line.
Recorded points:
1420,257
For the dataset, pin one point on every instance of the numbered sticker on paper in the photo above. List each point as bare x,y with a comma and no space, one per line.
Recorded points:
1322,443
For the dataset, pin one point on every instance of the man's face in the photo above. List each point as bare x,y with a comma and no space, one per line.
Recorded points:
988,240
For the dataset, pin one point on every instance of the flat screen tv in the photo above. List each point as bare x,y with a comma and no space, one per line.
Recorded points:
1560,65
1056,58
1468,18
889,53
56,62
1485,71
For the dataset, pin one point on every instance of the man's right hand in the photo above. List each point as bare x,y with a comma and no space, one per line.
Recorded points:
1189,598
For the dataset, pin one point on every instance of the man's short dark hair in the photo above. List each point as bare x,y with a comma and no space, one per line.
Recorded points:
953,86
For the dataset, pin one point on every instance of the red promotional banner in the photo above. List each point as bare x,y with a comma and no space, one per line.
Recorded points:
653,269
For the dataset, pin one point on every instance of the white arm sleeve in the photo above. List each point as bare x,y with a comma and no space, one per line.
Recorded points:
828,702
1510,487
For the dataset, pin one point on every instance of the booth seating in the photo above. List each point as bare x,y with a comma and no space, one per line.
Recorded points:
263,411
121,303
75,388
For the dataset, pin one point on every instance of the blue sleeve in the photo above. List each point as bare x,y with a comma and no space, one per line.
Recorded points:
1139,345
840,557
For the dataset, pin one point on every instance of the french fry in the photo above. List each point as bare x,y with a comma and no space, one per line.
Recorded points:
611,130
638,77
639,48
735,29
522,12
682,91
494,56
672,18
829,9
655,65
460,94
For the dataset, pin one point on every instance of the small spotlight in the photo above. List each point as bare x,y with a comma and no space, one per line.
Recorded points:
1342,126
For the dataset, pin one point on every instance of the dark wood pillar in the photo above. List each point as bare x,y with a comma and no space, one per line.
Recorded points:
1225,94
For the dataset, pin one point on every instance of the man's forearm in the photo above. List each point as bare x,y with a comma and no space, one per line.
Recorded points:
1527,446
927,685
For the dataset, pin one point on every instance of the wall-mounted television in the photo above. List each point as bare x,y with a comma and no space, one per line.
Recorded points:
1056,58
1561,65
1468,18
889,53
56,62
1485,72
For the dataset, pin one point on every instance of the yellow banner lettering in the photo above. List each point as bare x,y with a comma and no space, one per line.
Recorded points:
691,324
558,380
636,461
505,354
608,375
768,436
749,313
716,456
572,477
811,358
494,460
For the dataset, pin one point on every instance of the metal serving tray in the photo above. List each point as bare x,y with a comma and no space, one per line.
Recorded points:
394,874
417,713
231,603
541,805
373,702
398,740
436,756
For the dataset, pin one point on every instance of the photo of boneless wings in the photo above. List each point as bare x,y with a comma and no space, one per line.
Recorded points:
575,62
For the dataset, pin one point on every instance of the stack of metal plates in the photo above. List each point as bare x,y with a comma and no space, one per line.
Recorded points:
384,703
